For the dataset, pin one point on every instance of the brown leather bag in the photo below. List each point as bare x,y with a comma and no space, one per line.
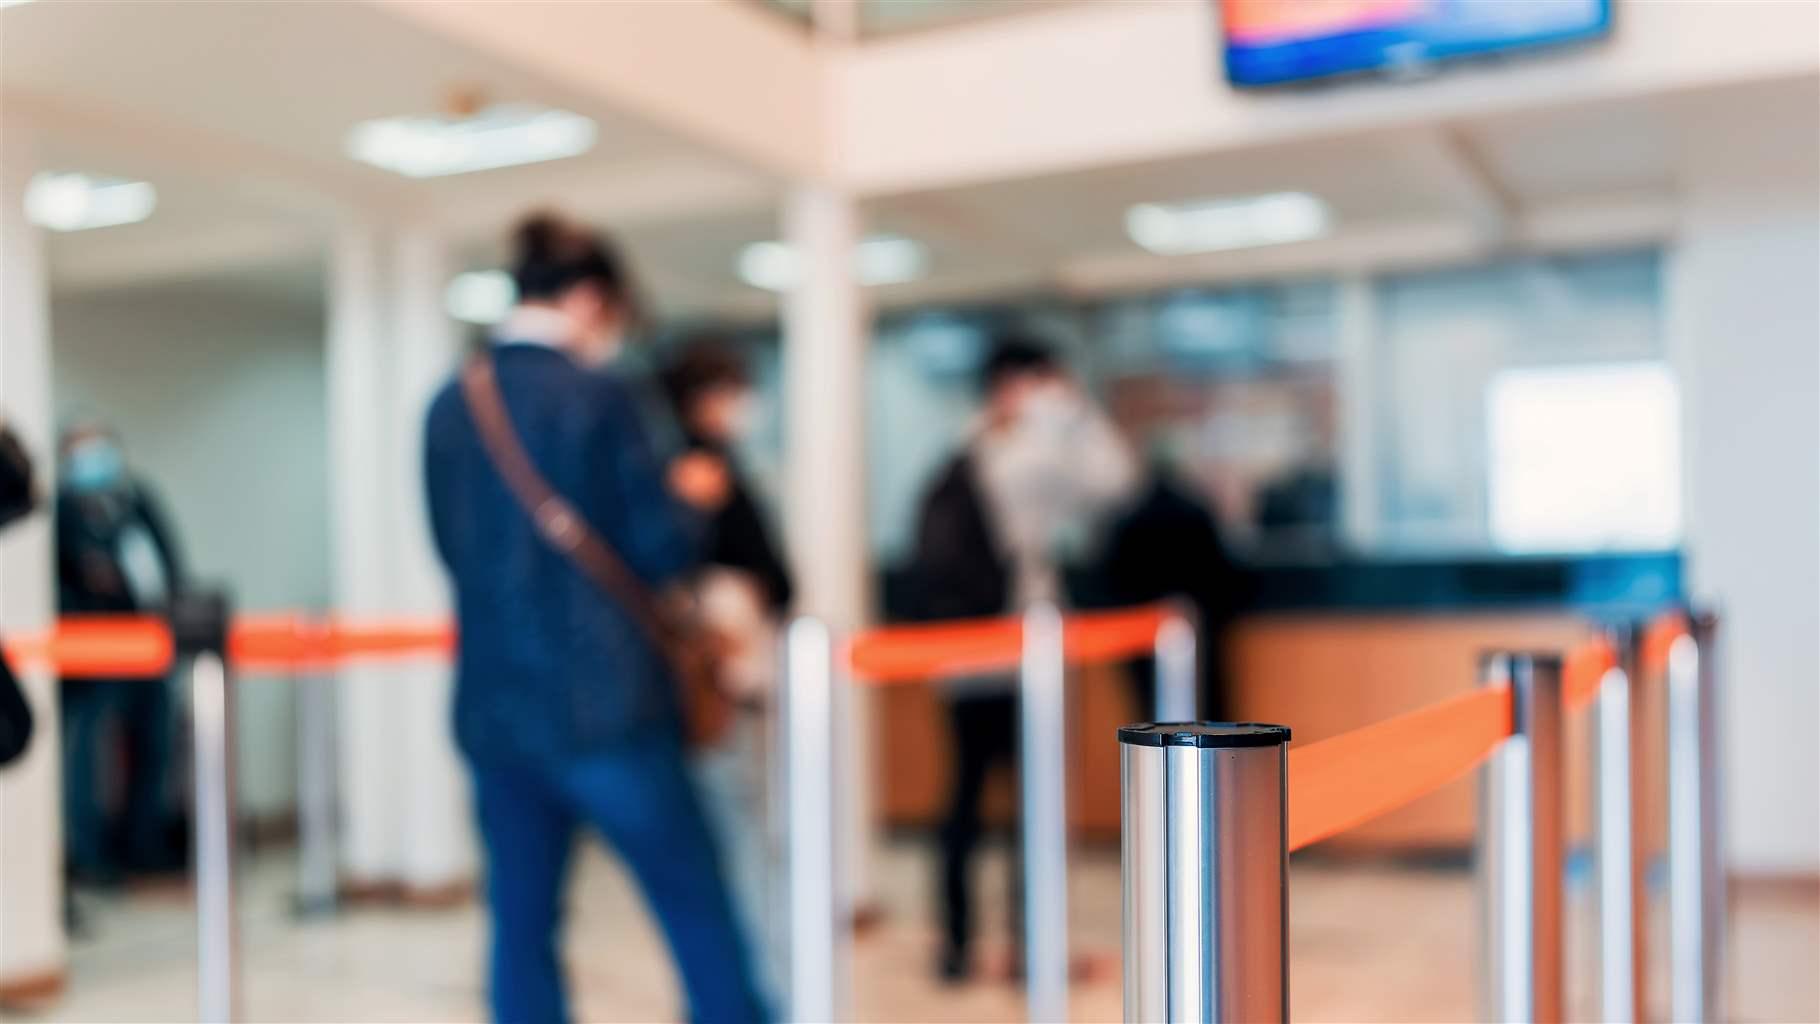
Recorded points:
668,620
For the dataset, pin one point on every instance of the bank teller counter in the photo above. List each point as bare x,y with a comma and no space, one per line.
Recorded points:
1332,648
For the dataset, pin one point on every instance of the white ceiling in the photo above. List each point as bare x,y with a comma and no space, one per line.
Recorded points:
238,113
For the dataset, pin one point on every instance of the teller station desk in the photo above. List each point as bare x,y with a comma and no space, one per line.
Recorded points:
1325,648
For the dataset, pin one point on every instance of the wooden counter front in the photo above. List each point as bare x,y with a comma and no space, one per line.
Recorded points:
1319,674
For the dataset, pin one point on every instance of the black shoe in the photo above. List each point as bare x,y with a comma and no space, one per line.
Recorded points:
953,968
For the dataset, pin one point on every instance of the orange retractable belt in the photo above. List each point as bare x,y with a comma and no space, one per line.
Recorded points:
915,653
1349,779
140,646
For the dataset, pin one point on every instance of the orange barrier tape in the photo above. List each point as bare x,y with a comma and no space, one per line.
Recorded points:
135,646
915,653
1584,670
1347,780
99,646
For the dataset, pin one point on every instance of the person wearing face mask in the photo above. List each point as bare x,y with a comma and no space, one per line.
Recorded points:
116,554
1041,465
566,708
743,591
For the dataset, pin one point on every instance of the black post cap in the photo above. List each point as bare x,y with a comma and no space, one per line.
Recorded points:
199,621
1204,734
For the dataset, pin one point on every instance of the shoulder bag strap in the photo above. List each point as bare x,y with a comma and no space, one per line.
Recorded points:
555,519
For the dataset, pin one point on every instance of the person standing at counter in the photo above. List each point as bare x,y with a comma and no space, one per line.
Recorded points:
1040,464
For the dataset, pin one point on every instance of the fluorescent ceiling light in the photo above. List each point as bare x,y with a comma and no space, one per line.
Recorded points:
878,259
480,297
13,3
76,202
499,136
1210,225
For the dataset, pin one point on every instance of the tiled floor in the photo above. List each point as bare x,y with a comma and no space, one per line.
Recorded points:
1370,943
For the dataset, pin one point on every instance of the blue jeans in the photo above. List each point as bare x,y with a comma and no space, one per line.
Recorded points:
640,799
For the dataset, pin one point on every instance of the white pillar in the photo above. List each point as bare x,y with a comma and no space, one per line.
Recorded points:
435,833
1356,412
404,803
825,341
32,951
358,382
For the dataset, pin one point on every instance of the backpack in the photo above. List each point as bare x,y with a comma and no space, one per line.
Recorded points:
957,568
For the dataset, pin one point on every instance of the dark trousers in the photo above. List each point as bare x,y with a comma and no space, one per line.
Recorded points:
641,801
985,732
98,844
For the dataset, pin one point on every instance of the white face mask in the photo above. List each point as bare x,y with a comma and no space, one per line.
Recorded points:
1049,409
745,417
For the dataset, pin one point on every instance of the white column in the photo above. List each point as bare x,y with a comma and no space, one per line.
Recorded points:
1356,412
435,834
31,823
825,341
359,381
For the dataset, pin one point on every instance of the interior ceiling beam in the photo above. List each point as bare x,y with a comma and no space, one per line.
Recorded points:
721,73
149,147
1464,174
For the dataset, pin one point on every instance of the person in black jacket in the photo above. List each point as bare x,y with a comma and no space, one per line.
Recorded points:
116,554
1167,546
743,591
1040,463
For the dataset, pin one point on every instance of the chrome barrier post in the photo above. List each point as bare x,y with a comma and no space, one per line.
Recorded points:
1696,882
808,767
1042,773
1521,831
1177,670
318,889
199,628
1205,872
1620,990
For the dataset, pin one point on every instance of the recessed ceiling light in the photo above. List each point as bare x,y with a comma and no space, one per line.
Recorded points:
878,259
13,3
482,297
76,202
499,136
1210,225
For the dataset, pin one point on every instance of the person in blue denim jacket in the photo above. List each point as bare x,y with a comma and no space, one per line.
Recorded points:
565,711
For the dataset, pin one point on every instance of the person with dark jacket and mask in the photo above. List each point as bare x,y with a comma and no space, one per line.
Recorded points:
566,708
116,554
1041,463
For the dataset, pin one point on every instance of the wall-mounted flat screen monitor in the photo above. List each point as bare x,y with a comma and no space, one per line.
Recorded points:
1273,42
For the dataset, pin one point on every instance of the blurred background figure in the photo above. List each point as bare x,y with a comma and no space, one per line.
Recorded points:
1040,464
18,498
116,553
564,707
1167,546
743,591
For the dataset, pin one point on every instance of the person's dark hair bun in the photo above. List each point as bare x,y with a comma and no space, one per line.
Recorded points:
539,237
554,254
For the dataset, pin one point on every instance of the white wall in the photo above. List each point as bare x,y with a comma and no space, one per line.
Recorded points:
1744,307
218,393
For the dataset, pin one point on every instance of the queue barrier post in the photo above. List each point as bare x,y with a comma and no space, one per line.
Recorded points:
807,741
1177,668
1696,883
1042,774
1521,832
1621,896
1205,872
199,631
318,886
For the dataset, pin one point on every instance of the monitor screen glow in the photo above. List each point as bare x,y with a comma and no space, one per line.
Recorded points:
1272,42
